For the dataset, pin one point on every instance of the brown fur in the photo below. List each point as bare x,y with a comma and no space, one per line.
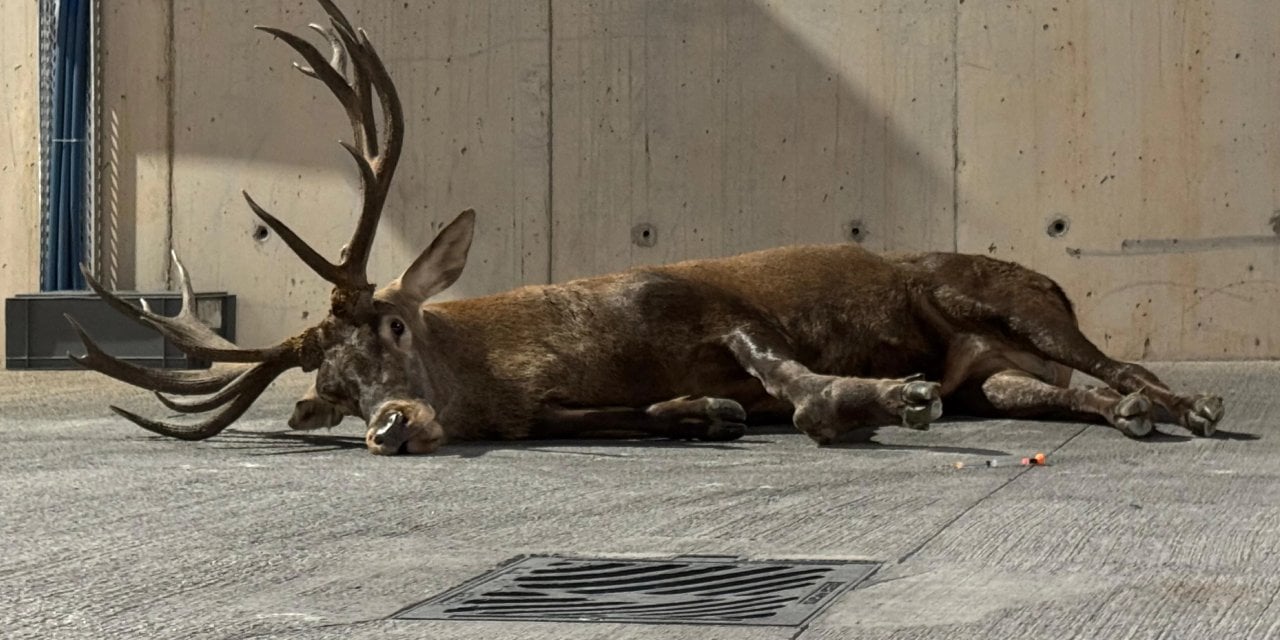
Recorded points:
845,329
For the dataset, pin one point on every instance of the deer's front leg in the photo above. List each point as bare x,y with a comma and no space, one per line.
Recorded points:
828,406
313,412
404,427
684,418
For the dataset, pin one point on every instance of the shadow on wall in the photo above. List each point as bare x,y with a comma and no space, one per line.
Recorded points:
690,129
718,126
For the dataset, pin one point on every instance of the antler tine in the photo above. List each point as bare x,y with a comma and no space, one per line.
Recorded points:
337,16
384,165
189,334
256,380
181,382
319,66
145,317
318,263
249,379
362,121
338,59
188,309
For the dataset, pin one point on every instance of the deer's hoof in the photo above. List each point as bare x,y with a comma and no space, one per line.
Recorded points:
725,420
1205,413
922,404
416,430
707,419
725,410
724,431
811,421
1133,415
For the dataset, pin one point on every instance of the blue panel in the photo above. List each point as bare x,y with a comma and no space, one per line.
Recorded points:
63,243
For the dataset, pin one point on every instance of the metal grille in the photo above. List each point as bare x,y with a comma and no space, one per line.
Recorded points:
676,591
92,236
48,36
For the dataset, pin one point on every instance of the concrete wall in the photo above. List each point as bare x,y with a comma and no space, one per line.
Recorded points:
575,126
136,161
1153,126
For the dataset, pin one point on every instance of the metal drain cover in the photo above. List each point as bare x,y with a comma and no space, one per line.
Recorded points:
682,590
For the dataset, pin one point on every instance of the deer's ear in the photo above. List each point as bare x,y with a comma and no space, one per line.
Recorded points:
440,265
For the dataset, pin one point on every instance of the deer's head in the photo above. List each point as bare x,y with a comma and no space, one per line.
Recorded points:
368,351
378,363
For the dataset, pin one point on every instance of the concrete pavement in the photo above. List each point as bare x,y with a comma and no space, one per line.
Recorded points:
108,531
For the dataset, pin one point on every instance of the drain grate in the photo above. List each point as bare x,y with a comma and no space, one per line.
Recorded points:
682,590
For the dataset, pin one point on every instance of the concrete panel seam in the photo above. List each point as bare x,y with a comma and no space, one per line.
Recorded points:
551,132
955,127
170,147
947,525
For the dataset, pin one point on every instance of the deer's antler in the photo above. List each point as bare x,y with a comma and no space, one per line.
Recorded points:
375,159
234,388
354,73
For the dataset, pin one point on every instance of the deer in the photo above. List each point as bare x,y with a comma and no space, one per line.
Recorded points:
831,337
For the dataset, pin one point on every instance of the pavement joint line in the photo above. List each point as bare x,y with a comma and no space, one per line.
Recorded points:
946,525
1261,617
803,628
875,583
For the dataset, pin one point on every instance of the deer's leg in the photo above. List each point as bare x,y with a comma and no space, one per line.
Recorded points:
1017,394
1199,413
417,433
685,418
828,406
312,412
1064,343
986,376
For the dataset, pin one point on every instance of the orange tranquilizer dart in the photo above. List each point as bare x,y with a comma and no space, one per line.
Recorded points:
1038,459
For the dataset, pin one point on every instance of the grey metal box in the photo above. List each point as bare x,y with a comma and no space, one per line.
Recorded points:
38,337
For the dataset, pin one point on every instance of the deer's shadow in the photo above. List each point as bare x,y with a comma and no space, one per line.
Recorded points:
275,443
279,443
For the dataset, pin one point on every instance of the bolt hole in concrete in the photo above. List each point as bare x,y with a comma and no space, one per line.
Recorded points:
644,235
261,233
1058,226
681,590
856,231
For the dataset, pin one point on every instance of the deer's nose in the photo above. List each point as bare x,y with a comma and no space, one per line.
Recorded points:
393,423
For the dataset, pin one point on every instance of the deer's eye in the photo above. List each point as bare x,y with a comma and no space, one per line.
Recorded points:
397,328
330,393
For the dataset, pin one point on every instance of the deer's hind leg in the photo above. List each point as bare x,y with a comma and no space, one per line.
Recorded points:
1058,338
826,406
684,418
1030,309
991,379
1199,413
